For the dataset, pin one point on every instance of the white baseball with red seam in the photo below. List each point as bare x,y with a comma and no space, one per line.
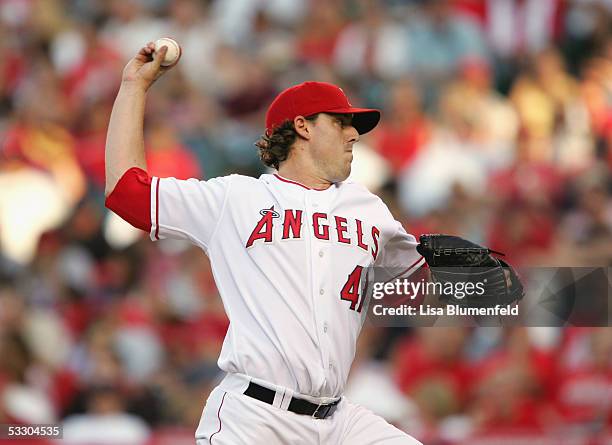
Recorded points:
172,54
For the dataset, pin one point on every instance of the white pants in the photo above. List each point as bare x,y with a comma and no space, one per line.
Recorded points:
232,418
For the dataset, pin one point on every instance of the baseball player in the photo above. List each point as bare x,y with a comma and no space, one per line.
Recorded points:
288,251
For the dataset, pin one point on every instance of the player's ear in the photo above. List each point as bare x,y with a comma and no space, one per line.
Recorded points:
302,127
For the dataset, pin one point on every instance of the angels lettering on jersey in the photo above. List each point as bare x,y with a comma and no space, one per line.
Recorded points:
324,227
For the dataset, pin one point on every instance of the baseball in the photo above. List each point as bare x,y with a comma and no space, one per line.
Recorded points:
173,53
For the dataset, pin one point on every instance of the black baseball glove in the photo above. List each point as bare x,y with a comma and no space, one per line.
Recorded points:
468,273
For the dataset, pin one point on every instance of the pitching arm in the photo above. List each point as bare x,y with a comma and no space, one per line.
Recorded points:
125,140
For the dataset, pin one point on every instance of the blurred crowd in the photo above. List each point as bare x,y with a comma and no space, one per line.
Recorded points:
497,126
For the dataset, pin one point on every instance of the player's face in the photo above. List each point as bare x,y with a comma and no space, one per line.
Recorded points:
332,145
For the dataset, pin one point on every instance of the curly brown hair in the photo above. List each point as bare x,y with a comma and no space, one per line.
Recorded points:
274,149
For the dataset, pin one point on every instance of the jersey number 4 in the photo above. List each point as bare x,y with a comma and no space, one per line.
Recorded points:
350,291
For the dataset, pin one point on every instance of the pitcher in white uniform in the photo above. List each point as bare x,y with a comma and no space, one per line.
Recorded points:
287,250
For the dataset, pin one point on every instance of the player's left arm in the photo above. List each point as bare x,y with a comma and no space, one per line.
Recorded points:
400,262
400,252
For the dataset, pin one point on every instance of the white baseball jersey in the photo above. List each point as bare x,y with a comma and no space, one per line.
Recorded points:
287,261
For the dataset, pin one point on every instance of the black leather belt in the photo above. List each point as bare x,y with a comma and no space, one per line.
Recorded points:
298,406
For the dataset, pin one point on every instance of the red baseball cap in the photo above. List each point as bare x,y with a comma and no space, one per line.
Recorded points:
310,98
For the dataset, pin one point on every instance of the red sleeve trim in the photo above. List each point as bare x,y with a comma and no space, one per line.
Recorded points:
157,209
131,198
418,262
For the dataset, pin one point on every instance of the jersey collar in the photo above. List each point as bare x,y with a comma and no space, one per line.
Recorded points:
280,178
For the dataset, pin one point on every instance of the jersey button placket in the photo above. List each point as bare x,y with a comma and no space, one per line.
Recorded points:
327,290
318,270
